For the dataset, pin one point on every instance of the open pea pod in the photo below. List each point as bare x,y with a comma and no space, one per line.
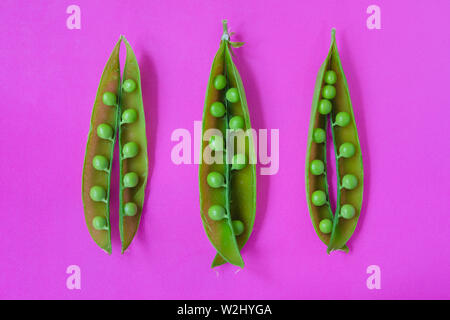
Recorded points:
332,105
118,108
132,150
99,153
227,173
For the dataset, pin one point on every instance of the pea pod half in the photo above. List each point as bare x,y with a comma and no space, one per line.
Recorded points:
133,150
227,174
118,108
332,104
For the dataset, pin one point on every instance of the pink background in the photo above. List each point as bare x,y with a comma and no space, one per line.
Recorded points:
398,78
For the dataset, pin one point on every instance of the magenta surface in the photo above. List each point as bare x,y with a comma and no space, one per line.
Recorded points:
398,80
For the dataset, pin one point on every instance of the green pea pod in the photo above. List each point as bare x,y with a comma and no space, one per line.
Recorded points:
236,197
331,103
118,108
101,114
134,132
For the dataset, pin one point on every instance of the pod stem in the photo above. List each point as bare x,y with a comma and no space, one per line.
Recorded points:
339,188
226,35
227,165
325,172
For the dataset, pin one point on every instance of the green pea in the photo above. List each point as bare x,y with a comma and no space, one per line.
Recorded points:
238,227
105,131
216,143
328,92
237,122
319,135
109,99
129,116
325,226
217,109
130,209
130,180
325,106
316,167
349,182
129,85
216,212
342,119
318,198
99,223
232,95
330,77
346,150
347,211
220,82
100,163
238,162
97,193
215,180
130,150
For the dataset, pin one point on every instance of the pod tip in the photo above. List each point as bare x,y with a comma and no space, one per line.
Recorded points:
333,33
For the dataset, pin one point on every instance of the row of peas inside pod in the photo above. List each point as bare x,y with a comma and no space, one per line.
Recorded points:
129,150
216,143
346,150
